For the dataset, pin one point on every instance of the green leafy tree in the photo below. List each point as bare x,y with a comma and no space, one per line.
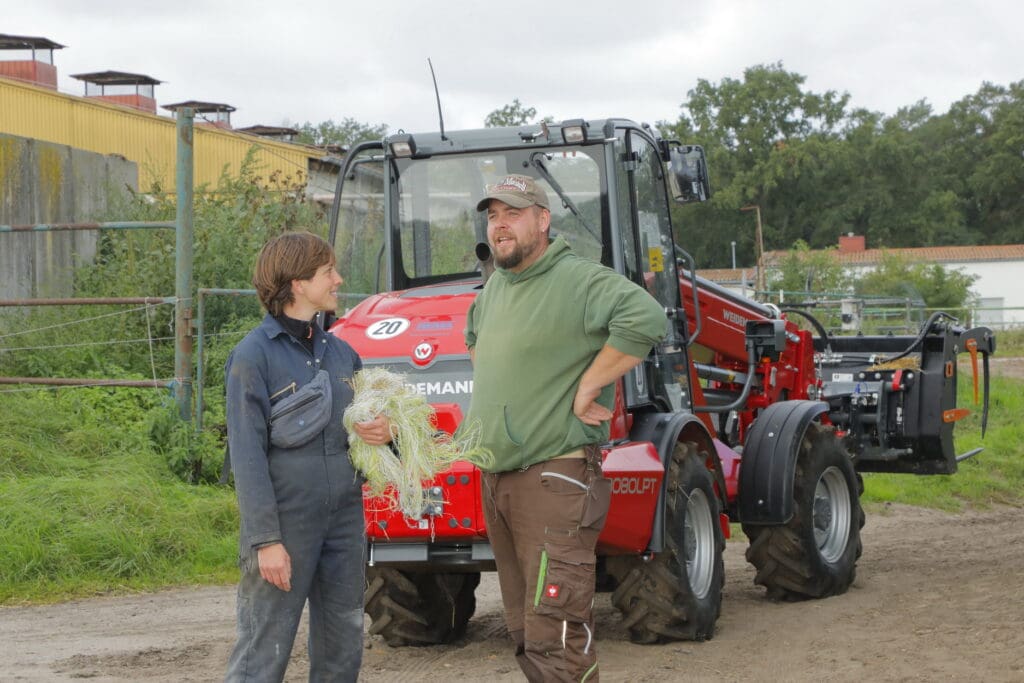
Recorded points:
758,134
515,114
344,133
996,182
936,285
803,270
818,170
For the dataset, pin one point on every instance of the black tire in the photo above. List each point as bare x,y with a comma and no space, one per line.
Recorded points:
419,608
677,595
815,554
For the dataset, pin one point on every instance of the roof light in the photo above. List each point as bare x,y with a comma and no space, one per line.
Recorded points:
402,145
574,131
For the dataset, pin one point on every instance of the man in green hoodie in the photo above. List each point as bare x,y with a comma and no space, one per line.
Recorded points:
550,335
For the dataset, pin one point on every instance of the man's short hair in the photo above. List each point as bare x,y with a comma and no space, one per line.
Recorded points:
287,257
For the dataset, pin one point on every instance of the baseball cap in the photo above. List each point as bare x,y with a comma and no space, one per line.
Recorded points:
519,191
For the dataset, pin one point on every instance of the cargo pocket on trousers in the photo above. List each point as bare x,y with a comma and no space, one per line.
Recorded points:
565,583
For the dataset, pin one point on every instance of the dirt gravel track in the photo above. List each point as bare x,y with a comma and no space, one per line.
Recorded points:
937,597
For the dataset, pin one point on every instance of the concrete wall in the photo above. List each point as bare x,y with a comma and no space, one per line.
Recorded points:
998,287
42,182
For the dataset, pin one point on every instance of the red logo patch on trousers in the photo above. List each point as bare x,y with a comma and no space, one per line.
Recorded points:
552,590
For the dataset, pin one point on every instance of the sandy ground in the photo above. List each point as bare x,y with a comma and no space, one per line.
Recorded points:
937,597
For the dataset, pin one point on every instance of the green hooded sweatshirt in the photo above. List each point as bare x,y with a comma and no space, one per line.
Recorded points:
534,335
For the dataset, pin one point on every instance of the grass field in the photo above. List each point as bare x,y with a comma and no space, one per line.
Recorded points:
994,477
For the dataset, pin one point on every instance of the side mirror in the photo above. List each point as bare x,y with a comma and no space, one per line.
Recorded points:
688,174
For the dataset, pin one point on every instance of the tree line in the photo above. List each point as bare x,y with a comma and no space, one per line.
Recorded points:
819,168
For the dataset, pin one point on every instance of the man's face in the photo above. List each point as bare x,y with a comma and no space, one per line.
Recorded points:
518,237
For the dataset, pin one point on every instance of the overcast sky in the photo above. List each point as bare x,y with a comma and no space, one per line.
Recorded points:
285,63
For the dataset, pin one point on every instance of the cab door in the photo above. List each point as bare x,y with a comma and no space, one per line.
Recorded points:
649,259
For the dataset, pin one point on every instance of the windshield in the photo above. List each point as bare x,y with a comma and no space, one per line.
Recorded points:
439,225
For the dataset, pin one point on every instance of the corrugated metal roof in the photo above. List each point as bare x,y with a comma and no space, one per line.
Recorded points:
260,129
116,78
199,106
956,254
9,42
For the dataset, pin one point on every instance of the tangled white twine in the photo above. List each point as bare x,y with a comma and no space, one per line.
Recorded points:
422,450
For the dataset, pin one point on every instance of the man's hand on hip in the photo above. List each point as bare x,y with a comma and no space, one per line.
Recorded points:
608,366
587,409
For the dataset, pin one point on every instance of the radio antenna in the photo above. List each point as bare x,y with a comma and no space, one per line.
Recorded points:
437,94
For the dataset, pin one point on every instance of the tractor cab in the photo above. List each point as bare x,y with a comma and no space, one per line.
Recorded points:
405,218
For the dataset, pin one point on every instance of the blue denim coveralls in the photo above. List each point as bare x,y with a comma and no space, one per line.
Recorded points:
309,498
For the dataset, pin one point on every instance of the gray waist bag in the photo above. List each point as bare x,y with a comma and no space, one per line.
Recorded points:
296,419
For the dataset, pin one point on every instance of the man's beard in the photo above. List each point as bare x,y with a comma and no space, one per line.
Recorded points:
516,256
513,259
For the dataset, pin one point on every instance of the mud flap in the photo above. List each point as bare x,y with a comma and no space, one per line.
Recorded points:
769,461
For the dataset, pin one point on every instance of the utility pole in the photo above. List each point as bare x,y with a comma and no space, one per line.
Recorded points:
759,239
183,266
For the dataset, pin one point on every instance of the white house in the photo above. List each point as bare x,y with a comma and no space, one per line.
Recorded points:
998,272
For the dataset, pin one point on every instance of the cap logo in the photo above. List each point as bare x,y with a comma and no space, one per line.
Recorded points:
515,190
511,183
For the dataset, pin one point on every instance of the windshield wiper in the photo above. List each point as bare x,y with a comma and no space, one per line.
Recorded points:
535,160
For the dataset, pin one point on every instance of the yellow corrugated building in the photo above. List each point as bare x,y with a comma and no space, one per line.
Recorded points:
147,139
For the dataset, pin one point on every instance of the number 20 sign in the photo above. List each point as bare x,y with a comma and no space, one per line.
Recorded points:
386,329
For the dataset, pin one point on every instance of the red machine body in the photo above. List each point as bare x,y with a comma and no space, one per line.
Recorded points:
420,333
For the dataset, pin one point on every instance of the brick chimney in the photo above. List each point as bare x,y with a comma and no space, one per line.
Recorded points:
850,243
120,87
28,59
213,114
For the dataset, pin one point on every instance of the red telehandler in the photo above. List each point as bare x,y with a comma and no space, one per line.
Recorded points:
740,415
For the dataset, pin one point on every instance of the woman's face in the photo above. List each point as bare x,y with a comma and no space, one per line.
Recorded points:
320,291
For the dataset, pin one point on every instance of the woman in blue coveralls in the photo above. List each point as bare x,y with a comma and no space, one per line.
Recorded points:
299,498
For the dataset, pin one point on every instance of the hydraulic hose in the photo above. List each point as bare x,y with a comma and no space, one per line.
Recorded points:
932,319
822,332
741,400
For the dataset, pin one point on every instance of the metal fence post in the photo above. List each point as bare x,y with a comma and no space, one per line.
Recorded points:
183,267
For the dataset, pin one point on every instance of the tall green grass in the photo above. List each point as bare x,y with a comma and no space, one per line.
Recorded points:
89,506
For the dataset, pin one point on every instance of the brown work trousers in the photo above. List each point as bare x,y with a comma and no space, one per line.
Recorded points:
543,523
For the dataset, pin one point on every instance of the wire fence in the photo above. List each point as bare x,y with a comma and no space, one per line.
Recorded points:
847,314
68,333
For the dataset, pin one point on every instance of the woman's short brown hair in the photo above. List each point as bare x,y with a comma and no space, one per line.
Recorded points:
287,257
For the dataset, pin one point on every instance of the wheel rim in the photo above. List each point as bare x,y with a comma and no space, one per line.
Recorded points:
831,514
699,543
